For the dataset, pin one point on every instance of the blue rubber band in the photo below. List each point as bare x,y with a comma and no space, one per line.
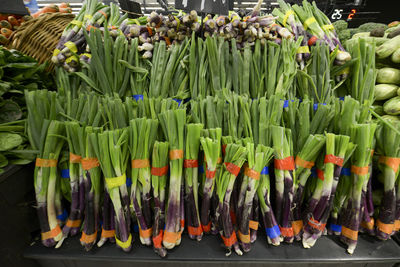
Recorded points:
345,171
314,172
101,222
201,169
138,97
335,227
273,231
65,173
128,181
341,98
316,105
136,228
286,104
63,217
265,170
179,101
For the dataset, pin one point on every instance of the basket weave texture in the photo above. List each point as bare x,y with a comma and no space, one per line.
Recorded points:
39,37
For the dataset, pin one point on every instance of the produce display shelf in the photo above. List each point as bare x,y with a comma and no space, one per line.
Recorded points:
328,250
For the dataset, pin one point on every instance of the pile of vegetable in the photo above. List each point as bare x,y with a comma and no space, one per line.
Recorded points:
17,73
8,24
62,8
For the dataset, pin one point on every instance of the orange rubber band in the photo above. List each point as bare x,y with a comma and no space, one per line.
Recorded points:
351,234
206,228
167,40
334,159
286,164
176,154
157,240
304,163
190,163
159,171
253,225
104,14
244,238
232,168
368,225
360,170
74,158
52,233
286,231
252,174
297,226
89,163
390,162
88,238
73,224
182,223
171,237
396,225
210,174
320,174
88,28
46,162
316,224
150,31
195,230
146,233
107,233
386,228
140,163
229,241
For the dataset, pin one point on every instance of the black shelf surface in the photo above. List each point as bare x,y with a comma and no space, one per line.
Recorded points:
328,249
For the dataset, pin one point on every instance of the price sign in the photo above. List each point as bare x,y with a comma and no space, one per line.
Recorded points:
351,15
337,14
204,6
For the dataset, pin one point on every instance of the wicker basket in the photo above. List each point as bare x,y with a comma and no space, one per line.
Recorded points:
39,37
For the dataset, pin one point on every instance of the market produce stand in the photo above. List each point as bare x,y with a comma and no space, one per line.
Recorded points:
210,251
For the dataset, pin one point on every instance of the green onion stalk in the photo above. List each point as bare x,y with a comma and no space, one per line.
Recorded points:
193,132
173,125
159,184
65,187
142,134
362,135
93,187
111,149
43,131
212,151
235,157
256,160
388,144
284,167
367,206
108,213
320,204
305,160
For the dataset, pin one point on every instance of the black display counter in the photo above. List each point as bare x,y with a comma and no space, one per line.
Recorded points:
328,250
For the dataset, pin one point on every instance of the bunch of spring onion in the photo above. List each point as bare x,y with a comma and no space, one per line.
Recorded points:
44,131
388,147
142,135
173,125
111,149
311,18
159,181
235,156
362,135
191,164
257,159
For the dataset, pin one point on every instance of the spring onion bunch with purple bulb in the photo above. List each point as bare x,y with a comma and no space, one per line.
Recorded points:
111,149
44,133
193,132
257,159
388,143
173,125
142,134
235,156
159,182
362,135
